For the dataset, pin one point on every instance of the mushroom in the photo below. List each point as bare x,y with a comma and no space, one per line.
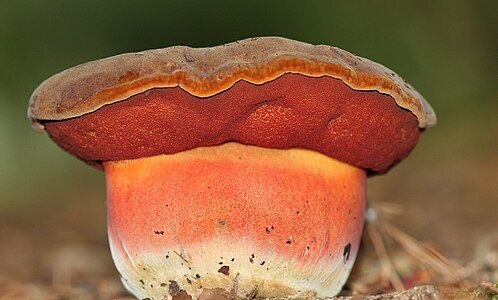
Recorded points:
239,167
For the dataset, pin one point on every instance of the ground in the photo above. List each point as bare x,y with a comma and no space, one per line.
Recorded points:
56,253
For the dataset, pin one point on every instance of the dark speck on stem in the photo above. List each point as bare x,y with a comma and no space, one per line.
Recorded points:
347,251
225,270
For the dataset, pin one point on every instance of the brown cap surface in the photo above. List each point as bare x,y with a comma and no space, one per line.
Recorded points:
270,92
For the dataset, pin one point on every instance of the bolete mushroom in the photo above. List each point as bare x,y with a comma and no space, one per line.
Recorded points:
239,167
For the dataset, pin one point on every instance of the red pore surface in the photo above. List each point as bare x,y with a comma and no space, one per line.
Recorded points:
364,128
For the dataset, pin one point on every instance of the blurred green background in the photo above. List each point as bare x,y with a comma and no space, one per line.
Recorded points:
448,187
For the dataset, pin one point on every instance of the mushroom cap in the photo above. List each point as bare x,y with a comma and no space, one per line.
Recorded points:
207,74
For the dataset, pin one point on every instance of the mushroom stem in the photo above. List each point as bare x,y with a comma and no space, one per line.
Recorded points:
286,221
